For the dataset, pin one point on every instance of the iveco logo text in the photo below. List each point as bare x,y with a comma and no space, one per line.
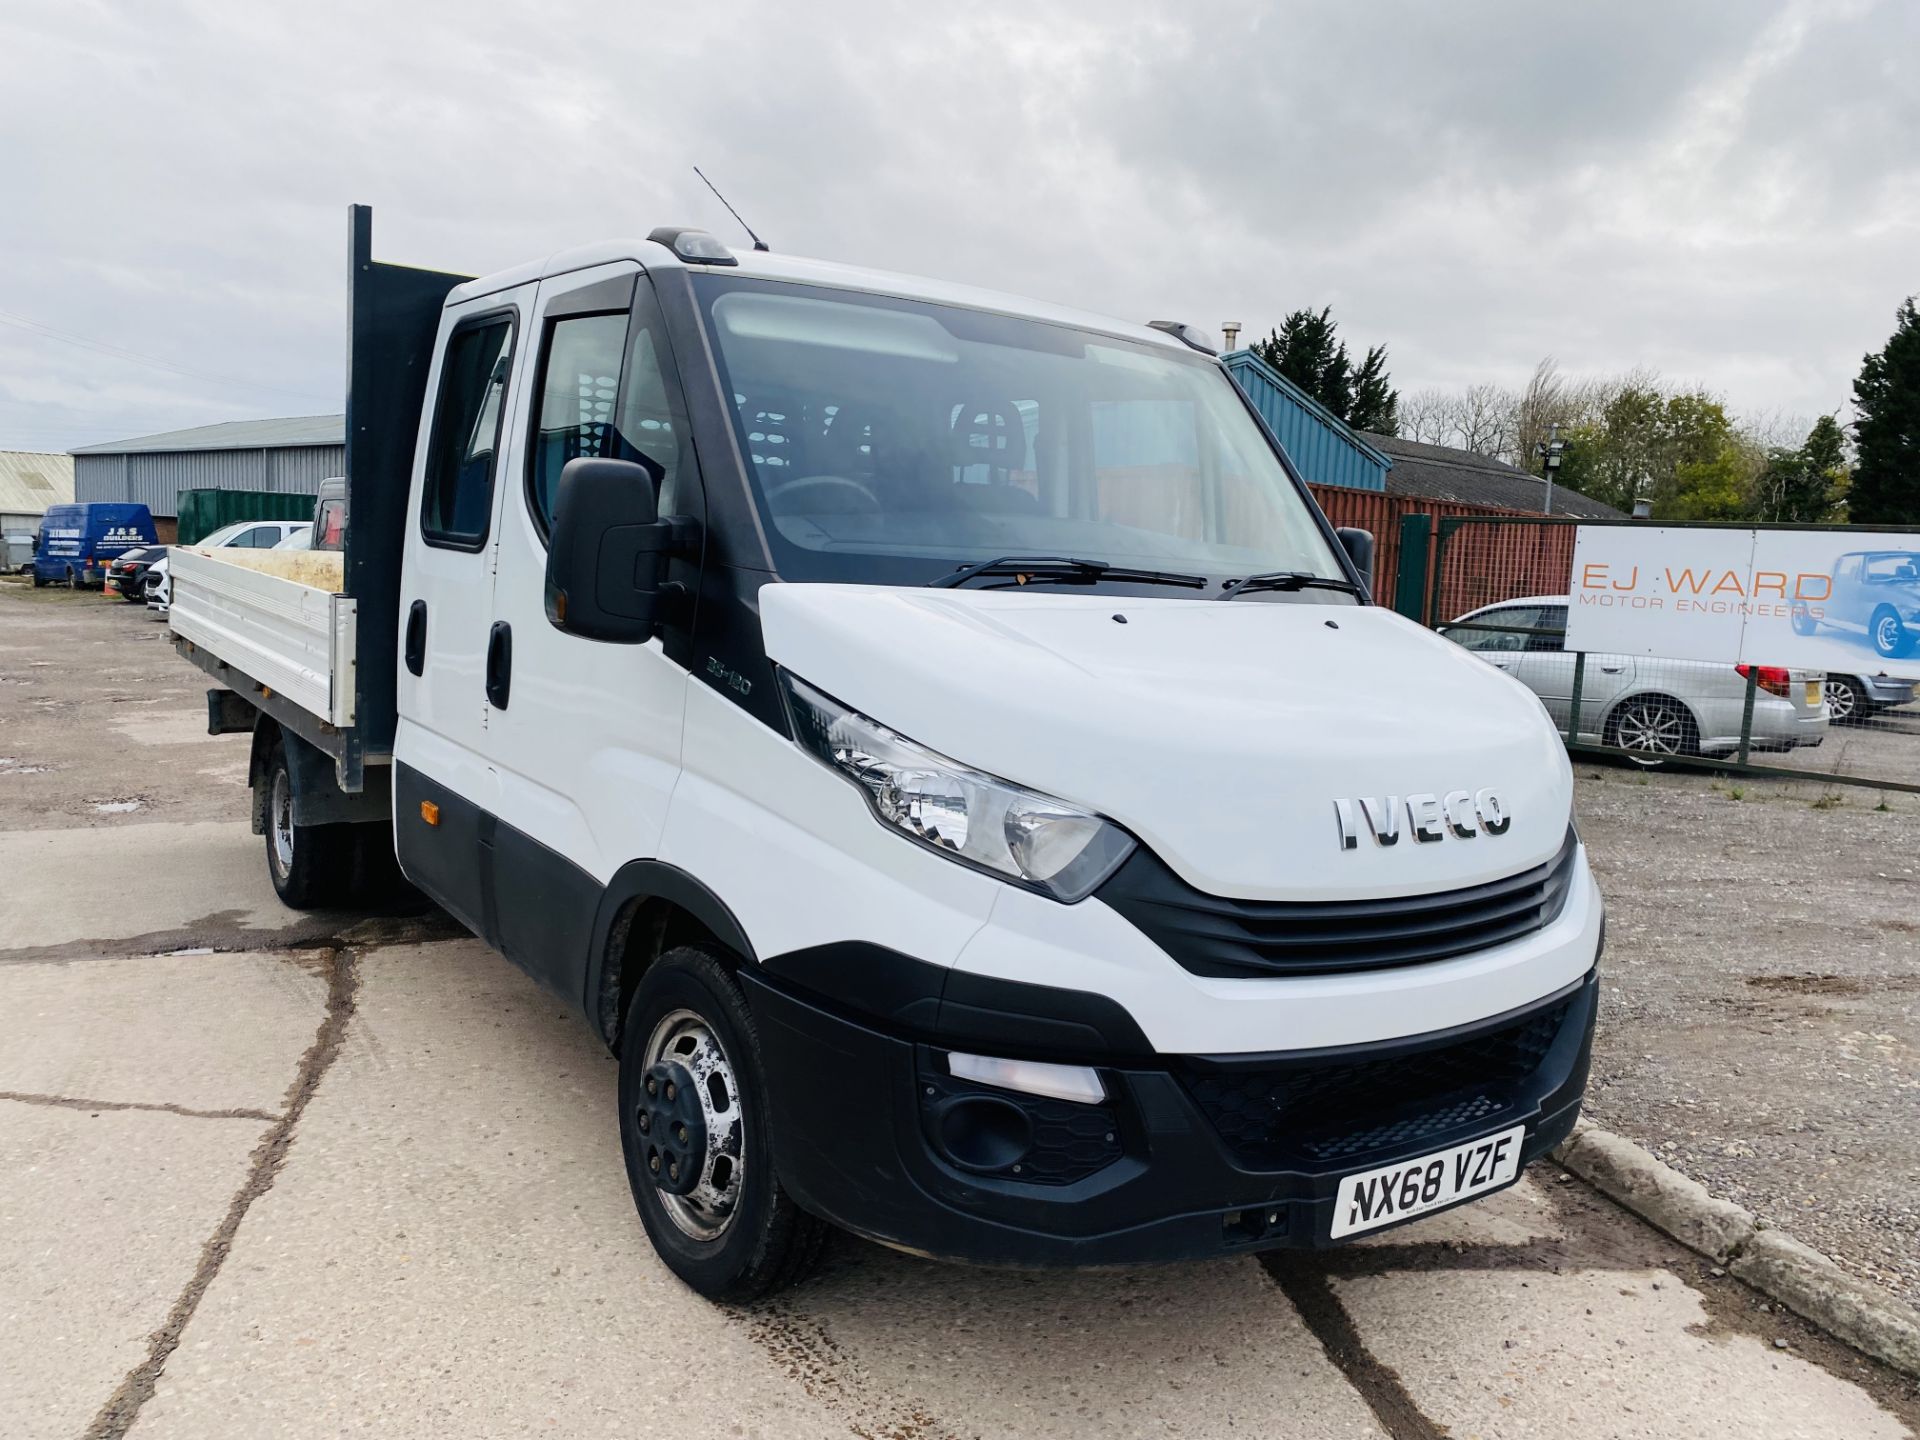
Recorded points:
1429,817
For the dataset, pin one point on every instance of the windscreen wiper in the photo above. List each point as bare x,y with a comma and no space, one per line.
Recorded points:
1287,580
1022,568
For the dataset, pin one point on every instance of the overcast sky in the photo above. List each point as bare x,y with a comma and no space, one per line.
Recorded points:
1726,192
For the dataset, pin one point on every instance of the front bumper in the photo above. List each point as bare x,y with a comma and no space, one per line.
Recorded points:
1189,1156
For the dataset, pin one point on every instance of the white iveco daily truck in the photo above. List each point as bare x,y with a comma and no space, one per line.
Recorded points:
937,743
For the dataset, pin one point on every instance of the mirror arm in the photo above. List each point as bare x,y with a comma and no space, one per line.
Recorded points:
685,541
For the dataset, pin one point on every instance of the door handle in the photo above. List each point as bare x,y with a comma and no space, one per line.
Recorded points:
499,664
417,636
1611,669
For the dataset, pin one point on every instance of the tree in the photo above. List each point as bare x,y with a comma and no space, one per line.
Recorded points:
1807,484
1308,351
1886,398
1680,450
1375,405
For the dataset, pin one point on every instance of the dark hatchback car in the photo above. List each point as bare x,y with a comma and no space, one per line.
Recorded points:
127,575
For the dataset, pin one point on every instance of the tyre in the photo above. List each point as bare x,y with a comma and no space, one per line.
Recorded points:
73,580
1652,729
1803,621
39,581
309,863
1889,636
1845,706
694,1128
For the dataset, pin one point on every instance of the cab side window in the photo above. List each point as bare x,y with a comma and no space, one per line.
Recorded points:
579,379
606,389
458,495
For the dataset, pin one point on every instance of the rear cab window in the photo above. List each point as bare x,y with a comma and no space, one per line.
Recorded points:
457,497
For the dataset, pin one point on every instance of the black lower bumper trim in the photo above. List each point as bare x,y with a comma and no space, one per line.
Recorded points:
857,1142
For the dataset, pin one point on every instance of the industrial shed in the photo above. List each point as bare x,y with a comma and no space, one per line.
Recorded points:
29,483
287,457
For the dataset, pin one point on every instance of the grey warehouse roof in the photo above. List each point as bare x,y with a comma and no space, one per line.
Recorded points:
293,431
1439,472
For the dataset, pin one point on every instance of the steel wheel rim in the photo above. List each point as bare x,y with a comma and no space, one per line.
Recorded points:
1840,699
1652,730
1886,635
684,1037
280,823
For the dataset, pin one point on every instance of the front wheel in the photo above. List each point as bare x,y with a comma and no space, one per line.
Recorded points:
1844,703
1803,621
309,863
694,1119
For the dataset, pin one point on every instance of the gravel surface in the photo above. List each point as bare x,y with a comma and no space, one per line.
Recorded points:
1760,1022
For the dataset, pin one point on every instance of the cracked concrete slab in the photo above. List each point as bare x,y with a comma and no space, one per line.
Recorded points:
101,1218
452,1250
204,1032
1192,1350
1604,1354
70,886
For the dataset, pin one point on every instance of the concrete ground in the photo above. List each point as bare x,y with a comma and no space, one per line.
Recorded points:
267,1175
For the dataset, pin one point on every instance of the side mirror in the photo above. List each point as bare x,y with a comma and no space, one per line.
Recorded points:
1359,547
607,552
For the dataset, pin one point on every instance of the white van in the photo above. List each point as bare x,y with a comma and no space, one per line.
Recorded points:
936,741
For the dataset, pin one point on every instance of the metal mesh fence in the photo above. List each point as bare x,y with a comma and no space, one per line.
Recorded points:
1499,588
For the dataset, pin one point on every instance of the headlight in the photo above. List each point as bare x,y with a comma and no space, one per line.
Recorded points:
1018,834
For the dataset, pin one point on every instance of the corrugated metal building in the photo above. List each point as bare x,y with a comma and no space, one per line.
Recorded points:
1323,449
29,483
289,457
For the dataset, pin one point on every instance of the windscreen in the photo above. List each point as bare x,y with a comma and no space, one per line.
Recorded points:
891,441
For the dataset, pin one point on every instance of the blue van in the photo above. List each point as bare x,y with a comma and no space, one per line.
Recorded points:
76,543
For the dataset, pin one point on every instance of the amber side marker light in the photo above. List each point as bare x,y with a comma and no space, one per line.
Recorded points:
429,812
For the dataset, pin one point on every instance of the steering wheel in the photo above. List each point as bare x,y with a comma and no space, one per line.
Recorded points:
868,501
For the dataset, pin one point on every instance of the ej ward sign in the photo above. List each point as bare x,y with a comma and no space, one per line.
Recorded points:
1821,599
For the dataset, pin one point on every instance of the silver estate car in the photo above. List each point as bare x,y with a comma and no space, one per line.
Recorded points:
1649,706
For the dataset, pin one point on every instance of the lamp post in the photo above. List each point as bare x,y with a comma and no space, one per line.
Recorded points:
1550,452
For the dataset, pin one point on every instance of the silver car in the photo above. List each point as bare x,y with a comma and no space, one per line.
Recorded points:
1652,707
1856,698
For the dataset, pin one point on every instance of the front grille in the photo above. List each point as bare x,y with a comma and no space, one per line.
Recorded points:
1212,936
1294,1111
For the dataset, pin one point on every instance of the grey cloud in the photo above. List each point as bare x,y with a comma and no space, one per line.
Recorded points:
1730,193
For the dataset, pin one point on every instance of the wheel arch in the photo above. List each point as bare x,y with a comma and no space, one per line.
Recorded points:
646,909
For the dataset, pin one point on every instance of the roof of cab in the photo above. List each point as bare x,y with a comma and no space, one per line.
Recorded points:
794,269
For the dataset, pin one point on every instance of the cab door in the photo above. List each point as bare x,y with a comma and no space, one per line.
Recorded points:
445,791
585,736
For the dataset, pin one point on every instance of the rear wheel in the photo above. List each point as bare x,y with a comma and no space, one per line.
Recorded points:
1803,621
1889,636
1651,730
694,1120
309,863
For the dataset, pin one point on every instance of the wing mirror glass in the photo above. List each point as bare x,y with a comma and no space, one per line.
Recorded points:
607,555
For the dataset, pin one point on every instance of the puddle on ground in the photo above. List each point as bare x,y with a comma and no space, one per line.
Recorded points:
116,807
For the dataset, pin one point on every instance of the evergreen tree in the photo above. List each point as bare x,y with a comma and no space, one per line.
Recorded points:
1886,475
1307,350
1376,404
1804,486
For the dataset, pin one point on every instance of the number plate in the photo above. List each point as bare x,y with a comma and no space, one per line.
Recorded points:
1413,1187
1813,692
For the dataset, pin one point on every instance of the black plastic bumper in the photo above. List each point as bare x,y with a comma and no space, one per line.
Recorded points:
1183,1161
